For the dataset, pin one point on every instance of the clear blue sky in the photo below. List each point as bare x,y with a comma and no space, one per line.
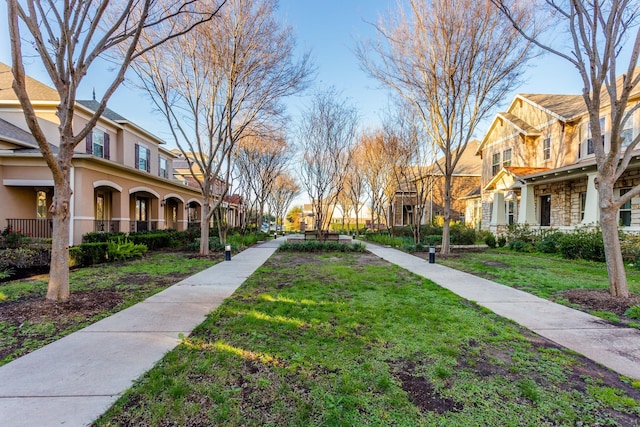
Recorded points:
329,29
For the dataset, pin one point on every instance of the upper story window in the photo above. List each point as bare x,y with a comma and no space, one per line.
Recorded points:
98,143
506,158
546,149
143,155
163,167
495,163
590,147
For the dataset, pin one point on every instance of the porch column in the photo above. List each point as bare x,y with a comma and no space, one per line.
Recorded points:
527,212
498,214
591,211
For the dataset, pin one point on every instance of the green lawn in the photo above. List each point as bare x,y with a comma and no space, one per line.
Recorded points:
349,340
28,322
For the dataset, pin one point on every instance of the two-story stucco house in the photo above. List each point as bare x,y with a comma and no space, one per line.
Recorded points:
538,165
122,176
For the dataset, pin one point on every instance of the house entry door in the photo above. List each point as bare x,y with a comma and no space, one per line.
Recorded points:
545,211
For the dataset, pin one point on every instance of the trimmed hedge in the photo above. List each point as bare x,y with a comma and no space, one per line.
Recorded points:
319,246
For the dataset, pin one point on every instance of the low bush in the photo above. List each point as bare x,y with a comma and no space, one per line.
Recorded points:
582,243
490,240
549,244
100,237
24,257
633,312
502,241
520,246
320,246
385,239
153,240
87,254
433,239
461,235
123,249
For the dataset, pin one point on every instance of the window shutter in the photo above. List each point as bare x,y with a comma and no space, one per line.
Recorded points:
137,159
148,160
106,146
160,174
90,143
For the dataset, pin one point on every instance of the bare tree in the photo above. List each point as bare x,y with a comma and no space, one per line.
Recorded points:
326,136
285,189
68,37
354,182
261,161
221,84
598,31
452,61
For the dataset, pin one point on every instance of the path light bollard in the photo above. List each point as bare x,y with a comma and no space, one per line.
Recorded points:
275,235
227,253
432,254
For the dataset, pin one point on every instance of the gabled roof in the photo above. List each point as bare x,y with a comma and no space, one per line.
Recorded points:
564,107
36,90
514,172
93,105
475,193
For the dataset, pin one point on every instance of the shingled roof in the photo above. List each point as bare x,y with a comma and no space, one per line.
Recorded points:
36,90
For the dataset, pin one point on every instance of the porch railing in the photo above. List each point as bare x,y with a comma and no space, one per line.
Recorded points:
106,226
40,228
145,226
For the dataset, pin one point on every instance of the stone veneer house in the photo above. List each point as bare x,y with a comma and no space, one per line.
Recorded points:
122,177
538,165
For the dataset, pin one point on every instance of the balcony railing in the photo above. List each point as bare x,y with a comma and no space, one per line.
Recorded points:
106,226
40,228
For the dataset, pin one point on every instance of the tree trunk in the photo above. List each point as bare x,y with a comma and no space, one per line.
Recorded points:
204,228
612,252
58,289
445,248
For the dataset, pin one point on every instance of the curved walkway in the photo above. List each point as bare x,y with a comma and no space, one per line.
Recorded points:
614,347
72,381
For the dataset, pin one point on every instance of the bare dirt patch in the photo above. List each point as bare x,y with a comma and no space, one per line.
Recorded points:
600,300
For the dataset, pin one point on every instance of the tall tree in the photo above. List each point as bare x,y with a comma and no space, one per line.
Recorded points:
285,189
326,135
355,183
223,83
261,160
598,31
452,61
68,37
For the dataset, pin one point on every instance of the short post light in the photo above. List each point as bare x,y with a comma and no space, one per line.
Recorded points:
432,254
227,253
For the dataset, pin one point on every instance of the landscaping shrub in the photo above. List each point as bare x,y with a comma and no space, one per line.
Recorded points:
100,237
153,240
123,249
385,239
549,243
24,258
520,246
502,241
319,246
92,253
523,233
490,240
433,239
461,235
582,243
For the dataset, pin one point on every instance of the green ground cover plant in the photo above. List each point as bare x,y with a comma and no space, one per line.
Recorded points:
28,321
346,339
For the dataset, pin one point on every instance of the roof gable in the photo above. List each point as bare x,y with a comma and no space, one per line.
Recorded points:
36,90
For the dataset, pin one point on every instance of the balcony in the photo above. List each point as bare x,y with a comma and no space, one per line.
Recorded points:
39,228
106,226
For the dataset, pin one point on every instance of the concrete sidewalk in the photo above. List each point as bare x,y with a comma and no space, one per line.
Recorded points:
614,347
75,379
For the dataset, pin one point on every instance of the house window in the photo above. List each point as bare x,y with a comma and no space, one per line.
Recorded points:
41,204
506,158
142,158
509,211
546,149
98,143
624,216
626,135
495,164
583,204
590,146
163,168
